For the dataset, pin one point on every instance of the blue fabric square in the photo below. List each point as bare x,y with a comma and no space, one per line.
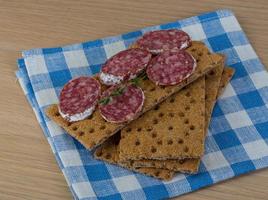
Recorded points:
52,50
104,188
242,167
220,42
208,16
219,124
82,71
237,38
231,56
132,35
151,193
212,28
76,174
217,111
63,142
262,129
95,68
135,195
263,92
55,62
258,114
217,174
230,105
199,180
87,158
92,44
41,82
97,172
243,85
95,56
247,134
172,25
59,78
240,70
116,171
227,139
211,145
253,65
111,197
250,99
235,154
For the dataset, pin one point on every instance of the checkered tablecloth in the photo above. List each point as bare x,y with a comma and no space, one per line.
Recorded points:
237,138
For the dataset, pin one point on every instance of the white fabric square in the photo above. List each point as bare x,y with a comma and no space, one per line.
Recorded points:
238,119
75,59
260,79
113,48
230,24
83,190
35,65
195,31
54,129
245,52
228,92
70,158
126,183
256,149
214,160
46,97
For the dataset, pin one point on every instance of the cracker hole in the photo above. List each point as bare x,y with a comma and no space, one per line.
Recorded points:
211,73
139,129
206,97
68,124
81,133
188,94
181,161
197,60
90,117
186,121
152,89
99,153
108,156
181,114
193,50
172,100
170,142
187,108
170,128
149,129
156,107
200,54
102,127
137,143
171,114
128,130
192,101
91,130
180,141
161,114
155,121
57,114
153,164
185,149
157,173
192,127
153,149
74,128
159,142
154,135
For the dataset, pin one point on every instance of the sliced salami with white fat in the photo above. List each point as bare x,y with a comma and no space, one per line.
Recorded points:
79,98
121,103
161,40
125,65
171,67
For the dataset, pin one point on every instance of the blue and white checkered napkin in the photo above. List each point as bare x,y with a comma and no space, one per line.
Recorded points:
238,134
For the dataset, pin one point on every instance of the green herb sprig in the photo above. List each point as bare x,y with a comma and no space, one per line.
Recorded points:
117,92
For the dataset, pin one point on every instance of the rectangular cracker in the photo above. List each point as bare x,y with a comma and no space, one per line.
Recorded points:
95,130
109,151
174,129
216,79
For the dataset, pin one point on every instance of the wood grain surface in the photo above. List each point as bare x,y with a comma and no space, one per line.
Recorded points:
28,169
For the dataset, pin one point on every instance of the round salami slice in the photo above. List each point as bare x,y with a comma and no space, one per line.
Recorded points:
124,65
121,103
161,40
171,67
79,98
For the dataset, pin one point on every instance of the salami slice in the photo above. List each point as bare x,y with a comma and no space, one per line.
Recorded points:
171,67
125,65
123,104
79,98
161,40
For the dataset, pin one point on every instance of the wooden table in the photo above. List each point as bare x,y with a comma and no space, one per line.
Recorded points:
28,169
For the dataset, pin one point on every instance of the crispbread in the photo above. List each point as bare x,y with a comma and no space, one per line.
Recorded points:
108,152
95,130
172,130
218,78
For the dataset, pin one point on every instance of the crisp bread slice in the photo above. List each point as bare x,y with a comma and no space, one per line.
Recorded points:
109,152
174,129
95,130
216,79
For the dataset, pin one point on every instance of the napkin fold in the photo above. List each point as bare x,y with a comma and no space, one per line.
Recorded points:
238,133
